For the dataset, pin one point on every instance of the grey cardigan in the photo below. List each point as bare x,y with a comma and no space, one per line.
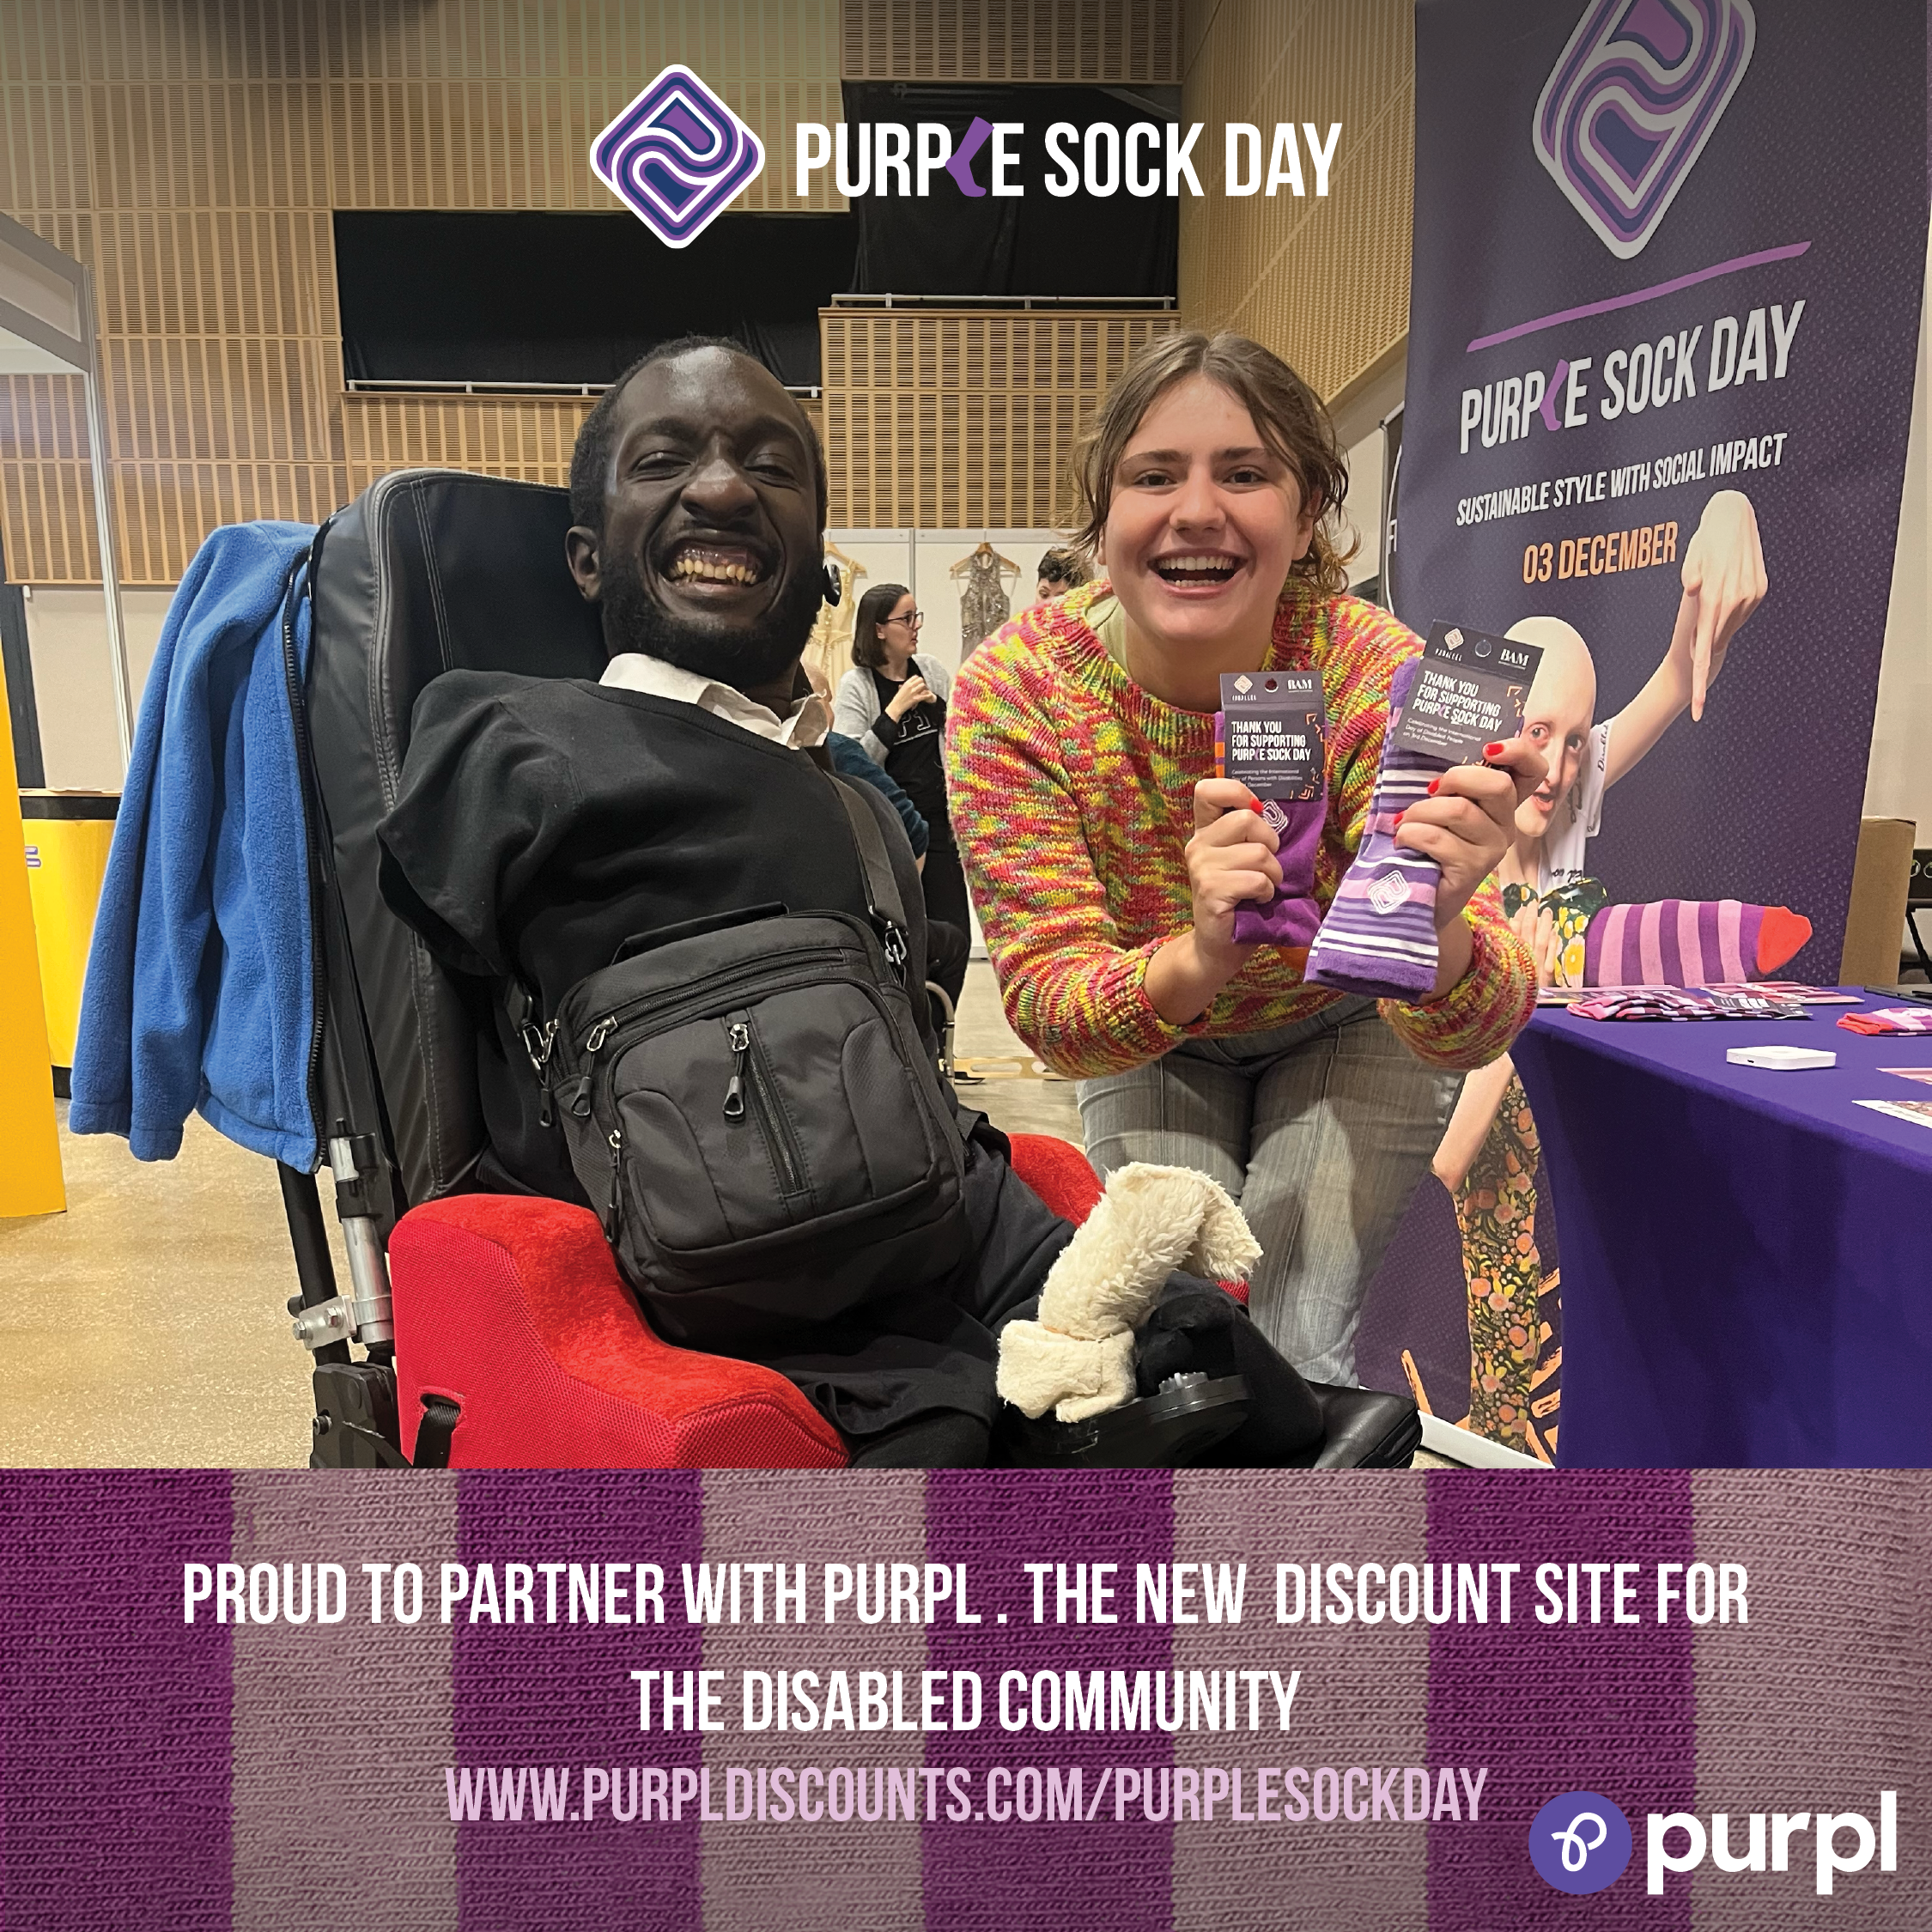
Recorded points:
855,707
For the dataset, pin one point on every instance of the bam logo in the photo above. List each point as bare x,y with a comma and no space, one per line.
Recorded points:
677,157
1630,103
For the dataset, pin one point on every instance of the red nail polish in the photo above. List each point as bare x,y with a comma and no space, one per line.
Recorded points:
1492,751
1435,785
1400,816
1254,807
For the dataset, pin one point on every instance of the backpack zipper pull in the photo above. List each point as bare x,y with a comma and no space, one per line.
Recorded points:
613,1214
896,950
739,1037
599,1033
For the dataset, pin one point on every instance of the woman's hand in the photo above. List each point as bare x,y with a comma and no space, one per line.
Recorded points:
1467,822
1230,858
1724,582
914,692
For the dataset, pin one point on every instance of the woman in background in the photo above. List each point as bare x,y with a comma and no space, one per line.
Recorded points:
1106,858
893,701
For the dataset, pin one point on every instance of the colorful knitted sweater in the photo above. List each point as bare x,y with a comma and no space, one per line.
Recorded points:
1071,796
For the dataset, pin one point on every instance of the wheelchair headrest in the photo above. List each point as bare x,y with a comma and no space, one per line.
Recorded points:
427,571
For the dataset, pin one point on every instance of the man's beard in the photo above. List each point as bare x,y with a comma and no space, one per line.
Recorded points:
747,657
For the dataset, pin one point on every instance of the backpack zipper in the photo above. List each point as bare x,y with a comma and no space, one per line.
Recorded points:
747,1058
670,1008
773,1119
614,1213
739,1037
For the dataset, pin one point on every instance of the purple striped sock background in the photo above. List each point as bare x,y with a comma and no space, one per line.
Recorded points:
273,1776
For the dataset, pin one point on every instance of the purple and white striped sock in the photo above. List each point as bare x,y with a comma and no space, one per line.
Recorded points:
1379,937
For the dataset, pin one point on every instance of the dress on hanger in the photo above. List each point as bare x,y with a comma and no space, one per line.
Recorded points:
830,646
983,603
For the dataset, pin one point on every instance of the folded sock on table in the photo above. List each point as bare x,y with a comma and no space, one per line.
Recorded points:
1689,942
1379,937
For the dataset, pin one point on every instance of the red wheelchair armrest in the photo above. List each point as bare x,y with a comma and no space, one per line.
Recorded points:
511,1307
1058,1172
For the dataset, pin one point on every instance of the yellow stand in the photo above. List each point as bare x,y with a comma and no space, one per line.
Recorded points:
30,1178
68,836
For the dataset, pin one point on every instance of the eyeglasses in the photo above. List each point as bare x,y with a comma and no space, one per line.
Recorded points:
912,622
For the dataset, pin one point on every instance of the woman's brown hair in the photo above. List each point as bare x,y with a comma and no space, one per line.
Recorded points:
868,650
1288,414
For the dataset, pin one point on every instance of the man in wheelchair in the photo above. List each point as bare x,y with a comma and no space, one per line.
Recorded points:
782,1174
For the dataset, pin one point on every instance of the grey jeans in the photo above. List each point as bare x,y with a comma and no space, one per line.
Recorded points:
1320,1130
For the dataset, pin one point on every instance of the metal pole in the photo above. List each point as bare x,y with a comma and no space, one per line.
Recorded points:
103,523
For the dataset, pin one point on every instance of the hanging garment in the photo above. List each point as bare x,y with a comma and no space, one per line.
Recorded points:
984,605
829,647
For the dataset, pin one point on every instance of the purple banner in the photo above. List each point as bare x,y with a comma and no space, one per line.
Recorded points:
1660,362
1637,290
1227,1698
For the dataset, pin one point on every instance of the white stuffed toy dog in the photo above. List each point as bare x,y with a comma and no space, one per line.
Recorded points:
1077,1359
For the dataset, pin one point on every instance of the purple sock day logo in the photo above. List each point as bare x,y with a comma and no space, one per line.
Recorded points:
1632,101
677,157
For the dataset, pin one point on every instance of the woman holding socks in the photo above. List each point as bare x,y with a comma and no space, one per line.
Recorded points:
1108,863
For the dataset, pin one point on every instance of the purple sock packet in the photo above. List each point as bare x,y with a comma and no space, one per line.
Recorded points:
1291,918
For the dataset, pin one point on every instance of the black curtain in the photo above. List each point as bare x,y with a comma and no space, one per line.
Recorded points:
438,297
950,244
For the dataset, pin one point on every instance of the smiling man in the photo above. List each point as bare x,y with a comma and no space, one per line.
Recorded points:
699,492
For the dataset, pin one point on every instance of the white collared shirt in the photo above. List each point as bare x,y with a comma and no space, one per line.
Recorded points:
804,724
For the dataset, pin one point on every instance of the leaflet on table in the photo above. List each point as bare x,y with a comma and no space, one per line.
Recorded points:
1680,1003
1921,1074
1769,989
1273,734
1469,695
1918,1112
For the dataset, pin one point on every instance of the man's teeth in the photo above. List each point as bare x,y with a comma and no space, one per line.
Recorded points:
1217,569
716,573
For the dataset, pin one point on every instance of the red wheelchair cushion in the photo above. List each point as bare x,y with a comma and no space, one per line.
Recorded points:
512,1306
1058,1172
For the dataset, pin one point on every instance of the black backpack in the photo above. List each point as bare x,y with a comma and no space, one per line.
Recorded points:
750,1104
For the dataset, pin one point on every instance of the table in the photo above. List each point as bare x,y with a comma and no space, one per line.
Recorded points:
1746,1254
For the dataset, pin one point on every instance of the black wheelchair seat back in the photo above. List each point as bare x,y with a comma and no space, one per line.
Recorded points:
427,571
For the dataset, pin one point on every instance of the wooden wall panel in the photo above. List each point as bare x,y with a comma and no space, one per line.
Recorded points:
1325,283
191,151
943,419
1126,43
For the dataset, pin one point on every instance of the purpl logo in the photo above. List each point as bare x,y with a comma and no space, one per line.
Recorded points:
677,157
1580,1841
1389,892
1631,102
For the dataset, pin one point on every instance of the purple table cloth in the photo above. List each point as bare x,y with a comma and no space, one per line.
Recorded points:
1746,1253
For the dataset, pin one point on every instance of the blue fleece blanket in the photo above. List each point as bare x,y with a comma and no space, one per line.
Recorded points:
200,985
